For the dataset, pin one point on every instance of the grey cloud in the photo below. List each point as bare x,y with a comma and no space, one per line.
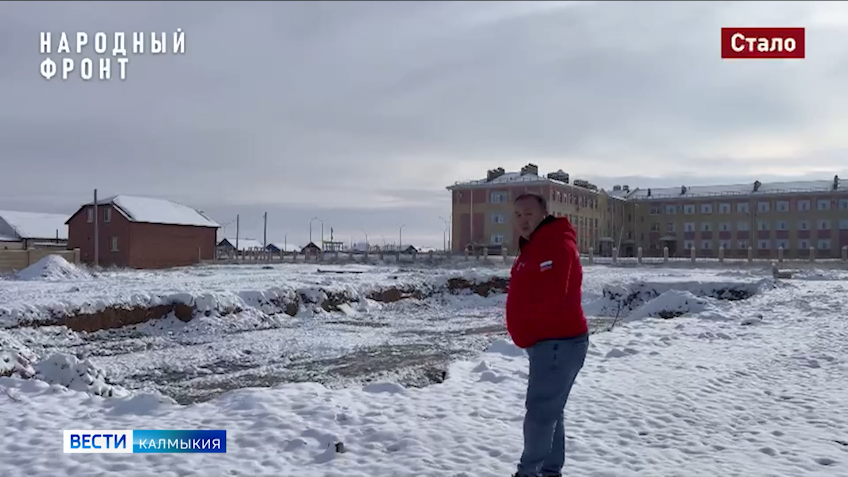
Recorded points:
372,108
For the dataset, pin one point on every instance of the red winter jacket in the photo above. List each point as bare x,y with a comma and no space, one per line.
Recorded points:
544,298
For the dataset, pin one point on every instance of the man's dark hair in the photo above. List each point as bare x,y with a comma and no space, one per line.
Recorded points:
543,203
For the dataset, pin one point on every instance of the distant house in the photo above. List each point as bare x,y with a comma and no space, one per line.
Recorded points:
409,249
311,250
228,245
142,232
360,247
283,246
26,230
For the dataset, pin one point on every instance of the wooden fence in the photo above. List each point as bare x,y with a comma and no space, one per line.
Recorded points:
12,260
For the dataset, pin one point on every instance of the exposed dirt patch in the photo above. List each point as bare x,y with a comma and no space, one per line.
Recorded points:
289,303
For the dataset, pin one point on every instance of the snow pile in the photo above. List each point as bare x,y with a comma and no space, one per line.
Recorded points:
133,304
52,268
671,304
66,370
15,358
623,299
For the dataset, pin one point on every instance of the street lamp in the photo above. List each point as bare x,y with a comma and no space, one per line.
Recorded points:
445,234
322,230
400,237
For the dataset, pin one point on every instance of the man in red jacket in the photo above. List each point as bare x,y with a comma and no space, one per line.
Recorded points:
544,315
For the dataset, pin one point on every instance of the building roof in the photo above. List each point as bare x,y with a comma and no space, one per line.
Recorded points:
506,178
766,188
286,247
156,211
243,243
35,225
514,178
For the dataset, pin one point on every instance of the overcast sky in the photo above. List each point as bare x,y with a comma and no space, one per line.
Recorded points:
362,113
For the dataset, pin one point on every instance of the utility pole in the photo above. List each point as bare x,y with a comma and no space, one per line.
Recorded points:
400,237
96,233
445,235
265,232
471,219
237,234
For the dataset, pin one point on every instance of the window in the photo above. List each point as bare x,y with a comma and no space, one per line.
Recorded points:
655,227
782,225
763,206
843,224
497,239
724,226
782,206
113,244
824,225
688,209
498,218
90,215
671,209
784,244
803,245
803,205
843,203
706,208
669,227
497,197
107,215
742,225
823,204
655,210
803,225
764,244
689,227
688,244
824,244
742,207
706,227
743,245
762,225
724,208
706,244
725,244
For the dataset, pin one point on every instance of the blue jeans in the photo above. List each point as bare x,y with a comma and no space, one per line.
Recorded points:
554,365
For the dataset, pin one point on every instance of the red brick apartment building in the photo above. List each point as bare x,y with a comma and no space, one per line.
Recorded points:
141,232
765,216
484,208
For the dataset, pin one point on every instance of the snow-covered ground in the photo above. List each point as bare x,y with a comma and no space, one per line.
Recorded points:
747,376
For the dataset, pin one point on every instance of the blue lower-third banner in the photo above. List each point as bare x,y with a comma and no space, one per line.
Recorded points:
143,441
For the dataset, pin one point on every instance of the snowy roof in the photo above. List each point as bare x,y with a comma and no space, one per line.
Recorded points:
287,247
156,211
512,178
766,188
507,178
35,225
243,243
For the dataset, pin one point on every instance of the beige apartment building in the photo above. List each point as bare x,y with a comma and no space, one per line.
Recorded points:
482,210
794,216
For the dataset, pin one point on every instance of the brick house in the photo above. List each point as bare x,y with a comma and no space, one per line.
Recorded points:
142,232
